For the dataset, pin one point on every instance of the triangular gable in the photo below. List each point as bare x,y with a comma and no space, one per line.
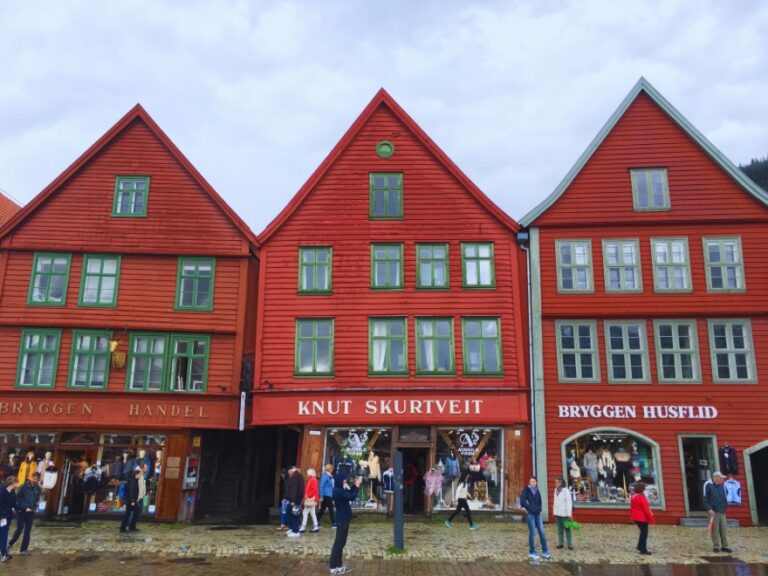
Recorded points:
643,85
382,98
7,208
137,112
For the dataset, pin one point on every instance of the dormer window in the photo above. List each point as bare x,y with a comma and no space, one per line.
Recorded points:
650,190
131,193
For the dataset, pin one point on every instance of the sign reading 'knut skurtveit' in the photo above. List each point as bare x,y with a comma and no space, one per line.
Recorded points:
647,412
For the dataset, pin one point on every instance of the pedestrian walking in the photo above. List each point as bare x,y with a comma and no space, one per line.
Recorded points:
326,495
562,510
311,498
461,495
640,513
7,505
716,504
142,482
343,494
530,499
283,501
131,501
294,493
27,498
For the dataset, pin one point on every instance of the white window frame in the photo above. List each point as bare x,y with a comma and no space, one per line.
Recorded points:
646,175
573,266
731,351
626,351
671,266
678,352
622,266
578,351
723,265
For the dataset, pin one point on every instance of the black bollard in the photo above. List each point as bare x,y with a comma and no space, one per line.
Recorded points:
399,520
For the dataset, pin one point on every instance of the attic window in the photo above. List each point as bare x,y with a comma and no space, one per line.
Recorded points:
385,149
131,194
650,190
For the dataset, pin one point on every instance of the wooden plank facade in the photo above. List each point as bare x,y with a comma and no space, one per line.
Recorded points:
353,405
660,373
177,321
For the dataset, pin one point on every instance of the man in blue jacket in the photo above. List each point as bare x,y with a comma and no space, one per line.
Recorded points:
27,498
717,504
343,494
530,499
326,495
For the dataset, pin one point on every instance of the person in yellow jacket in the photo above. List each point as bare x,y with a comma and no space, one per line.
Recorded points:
27,468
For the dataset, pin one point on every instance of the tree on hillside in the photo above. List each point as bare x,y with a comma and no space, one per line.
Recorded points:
757,169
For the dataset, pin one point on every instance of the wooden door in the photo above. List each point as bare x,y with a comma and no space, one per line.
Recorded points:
516,464
312,445
175,453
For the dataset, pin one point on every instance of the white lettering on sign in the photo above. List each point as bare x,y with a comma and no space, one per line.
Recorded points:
323,407
391,407
621,411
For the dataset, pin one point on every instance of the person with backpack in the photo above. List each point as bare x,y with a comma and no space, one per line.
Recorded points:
640,513
530,499
27,498
716,504
462,493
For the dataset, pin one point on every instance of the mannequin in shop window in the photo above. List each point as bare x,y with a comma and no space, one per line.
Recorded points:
48,471
144,463
363,471
388,486
129,465
590,464
433,486
27,467
452,472
345,466
374,471
11,467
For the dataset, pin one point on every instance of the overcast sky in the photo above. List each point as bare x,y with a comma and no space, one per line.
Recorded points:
257,93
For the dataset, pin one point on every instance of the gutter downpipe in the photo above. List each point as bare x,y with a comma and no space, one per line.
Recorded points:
522,241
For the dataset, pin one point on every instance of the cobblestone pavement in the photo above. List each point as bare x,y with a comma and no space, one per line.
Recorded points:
371,539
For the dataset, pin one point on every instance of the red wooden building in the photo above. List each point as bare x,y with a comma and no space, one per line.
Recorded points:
7,208
124,320
391,317
649,298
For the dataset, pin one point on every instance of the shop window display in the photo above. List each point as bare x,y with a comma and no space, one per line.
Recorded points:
477,451
23,453
365,452
602,467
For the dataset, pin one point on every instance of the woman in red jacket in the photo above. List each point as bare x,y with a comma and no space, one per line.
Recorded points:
641,513
311,498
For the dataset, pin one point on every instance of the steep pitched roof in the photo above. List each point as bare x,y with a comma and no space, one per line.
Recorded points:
137,112
382,98
643,85
7,208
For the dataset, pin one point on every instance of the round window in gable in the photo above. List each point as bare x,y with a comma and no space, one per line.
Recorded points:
385,149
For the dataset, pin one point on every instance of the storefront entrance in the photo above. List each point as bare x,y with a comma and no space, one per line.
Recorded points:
72,497
415,467
758,463
698,456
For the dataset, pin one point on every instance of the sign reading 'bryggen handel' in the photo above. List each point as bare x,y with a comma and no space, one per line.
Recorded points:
648,412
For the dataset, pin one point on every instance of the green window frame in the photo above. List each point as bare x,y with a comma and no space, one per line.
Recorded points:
626,352
650,189
131,196
481,340
477,265
388,346
723,263
386,196
574,266
49,280
189,355
315,269
435,347
577,355
100,280
621,265
38,358
432,268
314,347
671,265
677,351
732,352
386,266
147,363
195,283
90,360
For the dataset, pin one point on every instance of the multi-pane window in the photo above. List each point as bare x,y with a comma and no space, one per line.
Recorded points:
482,346
577,351
38,357
98,286
574,265
386,195
315,269
314,347
730,346
50,274
477,265
621,265
434,345
387,266
677,351
195,283
147,363
131,194
189,363
388,352
671,266
649,189
725,272
626,352
432,265
90,360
